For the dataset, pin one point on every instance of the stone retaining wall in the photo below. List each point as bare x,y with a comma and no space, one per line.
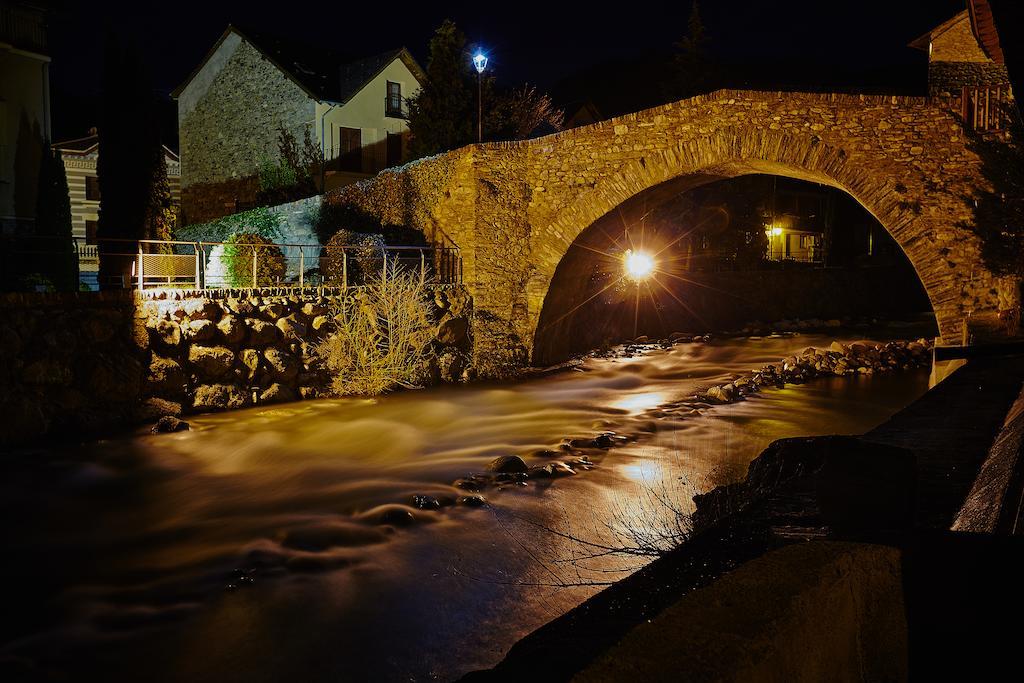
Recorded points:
70,363
89,363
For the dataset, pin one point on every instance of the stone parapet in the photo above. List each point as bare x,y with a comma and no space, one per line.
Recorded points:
515,208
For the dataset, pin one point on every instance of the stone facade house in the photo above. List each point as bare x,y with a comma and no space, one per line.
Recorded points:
231,107
80,157
966,64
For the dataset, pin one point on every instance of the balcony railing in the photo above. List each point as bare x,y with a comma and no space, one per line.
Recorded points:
394,107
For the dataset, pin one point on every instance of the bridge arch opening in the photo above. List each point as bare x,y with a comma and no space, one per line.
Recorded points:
731,245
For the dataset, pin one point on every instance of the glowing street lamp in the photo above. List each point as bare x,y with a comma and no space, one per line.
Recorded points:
480,62
639,265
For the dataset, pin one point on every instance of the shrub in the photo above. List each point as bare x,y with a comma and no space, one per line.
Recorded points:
238,257
363,263
381,337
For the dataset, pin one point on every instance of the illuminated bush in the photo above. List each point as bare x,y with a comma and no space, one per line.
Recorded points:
237,260
380,338
363,263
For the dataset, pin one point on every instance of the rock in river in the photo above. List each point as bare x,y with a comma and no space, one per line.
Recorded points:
508,464
169,423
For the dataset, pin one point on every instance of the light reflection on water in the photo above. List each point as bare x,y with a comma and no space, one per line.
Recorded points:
134,539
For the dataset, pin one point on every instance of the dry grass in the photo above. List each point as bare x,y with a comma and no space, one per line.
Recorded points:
381,337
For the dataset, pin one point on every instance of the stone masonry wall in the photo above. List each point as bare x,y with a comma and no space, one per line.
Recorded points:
232,128
71,364
515,208
946,79
78,365
957,44
230,349
205,202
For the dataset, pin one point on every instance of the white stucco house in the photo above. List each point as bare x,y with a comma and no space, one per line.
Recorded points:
249,84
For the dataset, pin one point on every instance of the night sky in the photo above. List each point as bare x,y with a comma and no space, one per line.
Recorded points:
862,42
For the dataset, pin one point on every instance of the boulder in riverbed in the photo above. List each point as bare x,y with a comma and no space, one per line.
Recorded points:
168,424
508,464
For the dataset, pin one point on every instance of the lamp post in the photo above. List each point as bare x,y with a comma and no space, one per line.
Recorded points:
480,62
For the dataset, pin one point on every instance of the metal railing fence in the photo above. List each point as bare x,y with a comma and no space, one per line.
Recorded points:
146,264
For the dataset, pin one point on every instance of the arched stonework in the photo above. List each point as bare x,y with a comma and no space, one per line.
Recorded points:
515,208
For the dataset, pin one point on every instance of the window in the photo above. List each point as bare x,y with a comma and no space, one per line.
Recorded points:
92,188
393,103
351,152
90,232
394,149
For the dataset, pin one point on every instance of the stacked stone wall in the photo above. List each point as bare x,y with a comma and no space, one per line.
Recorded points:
957,44
85,364
205,202
70,364
239,348
947,79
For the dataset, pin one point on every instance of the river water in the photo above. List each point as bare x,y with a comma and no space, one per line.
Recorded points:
270,544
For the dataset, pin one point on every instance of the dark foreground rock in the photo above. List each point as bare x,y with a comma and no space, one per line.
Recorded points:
169,423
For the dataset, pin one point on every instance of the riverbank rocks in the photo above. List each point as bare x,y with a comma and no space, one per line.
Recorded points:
452,330
200,330
166,333
220,397
861,358
507,464
282,365
292,327
166,376
211,361
262,333
231,329
169,423
278,393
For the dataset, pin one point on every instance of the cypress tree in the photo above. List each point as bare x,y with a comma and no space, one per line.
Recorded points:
694,71
57,259
160,211
442,116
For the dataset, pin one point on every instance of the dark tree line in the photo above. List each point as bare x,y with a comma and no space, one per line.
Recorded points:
443,114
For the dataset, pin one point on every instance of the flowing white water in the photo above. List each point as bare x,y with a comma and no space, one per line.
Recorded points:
121,552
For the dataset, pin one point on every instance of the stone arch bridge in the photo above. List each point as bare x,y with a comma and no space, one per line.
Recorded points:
515,208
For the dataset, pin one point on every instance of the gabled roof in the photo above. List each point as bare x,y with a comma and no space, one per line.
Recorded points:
324,74
90,143
922,42
1008,15
79,145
